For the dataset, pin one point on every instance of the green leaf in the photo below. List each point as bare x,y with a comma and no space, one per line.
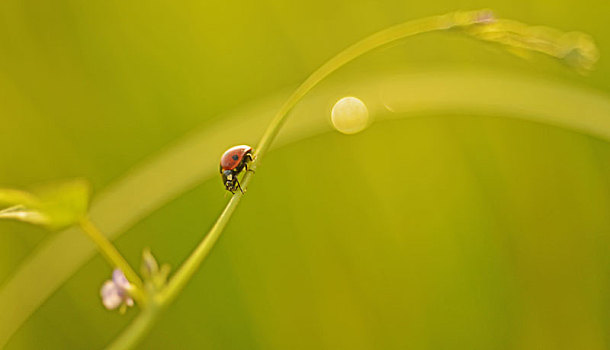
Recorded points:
52,206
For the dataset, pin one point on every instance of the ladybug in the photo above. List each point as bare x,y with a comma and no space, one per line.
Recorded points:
232,162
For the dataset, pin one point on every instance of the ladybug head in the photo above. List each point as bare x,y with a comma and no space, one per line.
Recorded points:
229,179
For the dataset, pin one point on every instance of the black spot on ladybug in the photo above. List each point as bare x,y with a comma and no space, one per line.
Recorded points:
235,157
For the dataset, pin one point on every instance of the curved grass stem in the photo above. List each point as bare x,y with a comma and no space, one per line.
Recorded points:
138,328
143,323
358,49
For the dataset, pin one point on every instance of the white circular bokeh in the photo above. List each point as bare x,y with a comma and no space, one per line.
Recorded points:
350,115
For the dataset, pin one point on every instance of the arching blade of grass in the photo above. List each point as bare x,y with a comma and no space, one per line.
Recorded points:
172,172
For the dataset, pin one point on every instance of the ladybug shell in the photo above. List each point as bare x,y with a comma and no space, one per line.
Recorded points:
233,157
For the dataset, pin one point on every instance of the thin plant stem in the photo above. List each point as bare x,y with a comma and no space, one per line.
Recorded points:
381,38
137,329
143,323
189,267
112,255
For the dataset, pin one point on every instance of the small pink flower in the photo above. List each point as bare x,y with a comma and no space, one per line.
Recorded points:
116,291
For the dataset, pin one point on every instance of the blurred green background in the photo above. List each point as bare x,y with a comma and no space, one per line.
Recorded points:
444,230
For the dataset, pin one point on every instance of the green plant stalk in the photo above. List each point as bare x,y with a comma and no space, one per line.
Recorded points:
365,45
112,255
136,331
190,266
138,328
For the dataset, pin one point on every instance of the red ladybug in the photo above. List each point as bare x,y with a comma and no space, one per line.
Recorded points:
232,162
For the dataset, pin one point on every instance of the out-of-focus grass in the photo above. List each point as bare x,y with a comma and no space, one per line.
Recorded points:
432,232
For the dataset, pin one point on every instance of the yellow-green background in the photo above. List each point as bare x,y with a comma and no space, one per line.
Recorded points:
447,230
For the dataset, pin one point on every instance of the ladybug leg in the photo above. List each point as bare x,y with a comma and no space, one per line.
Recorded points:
239,186
246,166
251,158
